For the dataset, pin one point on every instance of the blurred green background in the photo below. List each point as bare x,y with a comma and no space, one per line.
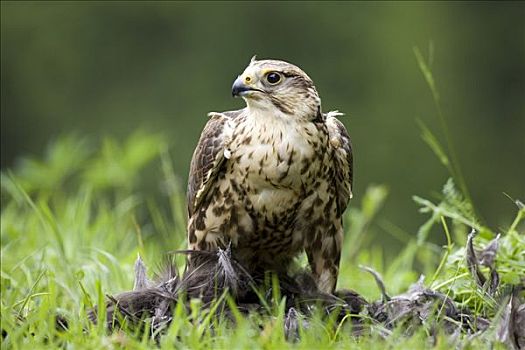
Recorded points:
110,68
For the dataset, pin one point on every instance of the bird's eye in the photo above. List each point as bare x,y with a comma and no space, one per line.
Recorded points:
273,78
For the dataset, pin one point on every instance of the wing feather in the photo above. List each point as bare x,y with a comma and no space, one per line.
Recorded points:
209,156
343,159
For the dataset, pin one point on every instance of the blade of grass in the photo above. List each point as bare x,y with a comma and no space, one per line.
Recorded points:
455,168
30,293
448,250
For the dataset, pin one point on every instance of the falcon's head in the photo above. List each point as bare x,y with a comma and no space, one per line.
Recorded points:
278,86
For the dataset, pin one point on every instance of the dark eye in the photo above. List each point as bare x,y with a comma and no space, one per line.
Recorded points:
273,78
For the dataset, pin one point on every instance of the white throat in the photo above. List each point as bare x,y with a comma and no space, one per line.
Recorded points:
266,109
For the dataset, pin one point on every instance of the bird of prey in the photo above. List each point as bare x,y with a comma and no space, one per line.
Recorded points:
273,179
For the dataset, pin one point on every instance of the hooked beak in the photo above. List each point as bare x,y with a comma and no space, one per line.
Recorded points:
239,88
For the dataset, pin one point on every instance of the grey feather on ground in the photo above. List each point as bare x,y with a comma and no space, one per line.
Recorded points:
211,274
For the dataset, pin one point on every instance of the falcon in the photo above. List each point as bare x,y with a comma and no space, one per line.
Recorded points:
273,179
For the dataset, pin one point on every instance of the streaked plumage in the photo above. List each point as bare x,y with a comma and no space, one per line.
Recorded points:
274,178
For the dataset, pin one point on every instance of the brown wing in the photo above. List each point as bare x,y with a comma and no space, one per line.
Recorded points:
343,160
209,156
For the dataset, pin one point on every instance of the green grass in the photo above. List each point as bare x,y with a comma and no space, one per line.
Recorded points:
74,221
71,229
